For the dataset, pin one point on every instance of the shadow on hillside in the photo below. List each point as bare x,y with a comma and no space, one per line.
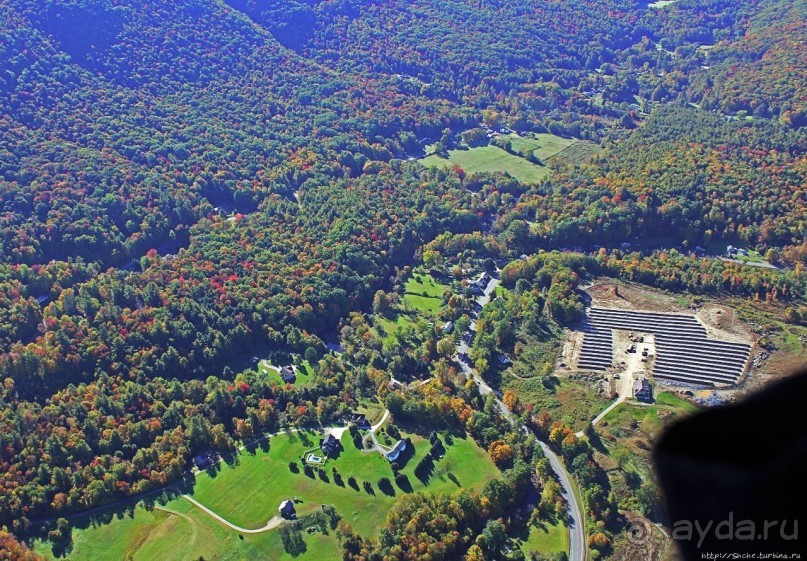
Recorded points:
62,547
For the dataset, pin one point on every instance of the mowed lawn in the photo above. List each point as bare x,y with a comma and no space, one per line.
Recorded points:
423,297
548,539
424,294
130,538
249,492
183,534
648,416
490,159
542,145
390,325
304,372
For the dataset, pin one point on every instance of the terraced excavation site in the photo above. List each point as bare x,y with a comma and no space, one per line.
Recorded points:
684,353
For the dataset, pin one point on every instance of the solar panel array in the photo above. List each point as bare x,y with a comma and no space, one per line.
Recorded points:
597,350
684,353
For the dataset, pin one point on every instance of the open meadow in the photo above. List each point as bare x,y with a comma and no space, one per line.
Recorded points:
547,538
178,531
247,490
543,145
422,299
490,159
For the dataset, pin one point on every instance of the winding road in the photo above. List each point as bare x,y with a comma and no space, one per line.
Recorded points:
577,548
576,533
273,522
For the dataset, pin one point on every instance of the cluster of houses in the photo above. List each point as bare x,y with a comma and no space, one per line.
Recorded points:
330,444
478,286
490,132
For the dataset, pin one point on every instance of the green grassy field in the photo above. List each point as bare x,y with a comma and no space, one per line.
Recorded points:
304,373
248,492
648,415
490,159
577,153
392,323
422,298
424,285
542,145
423,294
549,538
182,533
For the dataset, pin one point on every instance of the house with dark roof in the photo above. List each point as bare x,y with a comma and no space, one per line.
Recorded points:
393,454
286,509
329,445
203,461
642,390
360,420
287,374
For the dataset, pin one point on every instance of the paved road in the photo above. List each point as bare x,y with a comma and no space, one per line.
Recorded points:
462,348
377,426
577,548
377,447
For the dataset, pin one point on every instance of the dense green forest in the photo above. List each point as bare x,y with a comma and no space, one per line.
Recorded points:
185,185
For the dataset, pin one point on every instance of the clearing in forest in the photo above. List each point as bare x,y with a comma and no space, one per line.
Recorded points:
247,492
490,159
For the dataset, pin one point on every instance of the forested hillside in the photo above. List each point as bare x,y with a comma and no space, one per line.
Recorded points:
187,186
688,175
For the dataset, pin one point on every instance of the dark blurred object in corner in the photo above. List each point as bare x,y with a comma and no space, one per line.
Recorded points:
741,465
